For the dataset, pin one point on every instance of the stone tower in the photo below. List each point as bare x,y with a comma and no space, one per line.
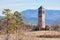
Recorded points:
41,18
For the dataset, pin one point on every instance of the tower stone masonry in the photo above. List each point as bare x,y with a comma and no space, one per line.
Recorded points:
41,18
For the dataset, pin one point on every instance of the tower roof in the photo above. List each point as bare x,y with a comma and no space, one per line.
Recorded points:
41,7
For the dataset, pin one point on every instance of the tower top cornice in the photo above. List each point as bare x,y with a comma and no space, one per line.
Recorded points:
41,8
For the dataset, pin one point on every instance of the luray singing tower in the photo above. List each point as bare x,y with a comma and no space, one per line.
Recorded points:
41,18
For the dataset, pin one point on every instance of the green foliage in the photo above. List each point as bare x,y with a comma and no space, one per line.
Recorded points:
14,19
18,16
6,12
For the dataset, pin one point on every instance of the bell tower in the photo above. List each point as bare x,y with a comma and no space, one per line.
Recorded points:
41,18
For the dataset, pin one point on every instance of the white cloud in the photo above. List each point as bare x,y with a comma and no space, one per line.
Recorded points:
1,15
53,8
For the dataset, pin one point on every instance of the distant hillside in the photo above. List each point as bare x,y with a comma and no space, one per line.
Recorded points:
31,16
52,16
1,17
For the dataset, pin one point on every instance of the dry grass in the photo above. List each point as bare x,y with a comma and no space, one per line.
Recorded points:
21,35
48,34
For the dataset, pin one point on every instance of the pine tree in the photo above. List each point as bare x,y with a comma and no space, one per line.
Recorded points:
7,12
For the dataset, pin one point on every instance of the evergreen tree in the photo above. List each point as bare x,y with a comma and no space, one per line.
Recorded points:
7,12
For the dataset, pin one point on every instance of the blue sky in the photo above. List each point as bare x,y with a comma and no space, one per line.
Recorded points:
21,5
